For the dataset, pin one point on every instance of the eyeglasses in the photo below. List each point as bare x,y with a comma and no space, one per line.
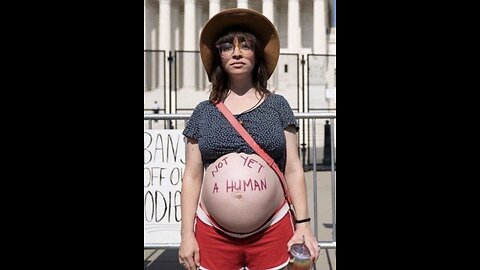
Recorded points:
226,49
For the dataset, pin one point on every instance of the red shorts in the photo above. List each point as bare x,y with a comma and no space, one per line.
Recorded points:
264,250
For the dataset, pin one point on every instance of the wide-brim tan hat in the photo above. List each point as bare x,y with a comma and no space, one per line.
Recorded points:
250,20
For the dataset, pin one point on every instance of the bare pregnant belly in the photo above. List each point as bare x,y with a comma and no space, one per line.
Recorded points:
240,191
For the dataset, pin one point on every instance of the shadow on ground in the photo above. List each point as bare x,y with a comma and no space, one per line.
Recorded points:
162,259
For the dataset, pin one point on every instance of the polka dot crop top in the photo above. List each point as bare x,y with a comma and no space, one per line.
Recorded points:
266,124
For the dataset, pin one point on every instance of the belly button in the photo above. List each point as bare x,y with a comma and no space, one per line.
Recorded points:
239,196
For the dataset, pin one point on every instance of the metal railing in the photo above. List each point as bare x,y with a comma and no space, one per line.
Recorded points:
164,71
168,118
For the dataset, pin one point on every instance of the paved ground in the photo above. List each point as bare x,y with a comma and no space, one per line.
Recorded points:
159,259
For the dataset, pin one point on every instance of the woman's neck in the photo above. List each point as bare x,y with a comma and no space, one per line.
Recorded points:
242,99
241,87
242,91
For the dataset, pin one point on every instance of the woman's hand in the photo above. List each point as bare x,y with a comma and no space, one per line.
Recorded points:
304,230
189,252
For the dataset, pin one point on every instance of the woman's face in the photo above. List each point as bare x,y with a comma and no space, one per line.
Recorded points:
238,58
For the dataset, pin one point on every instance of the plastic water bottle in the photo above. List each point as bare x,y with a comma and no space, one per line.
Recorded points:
300,257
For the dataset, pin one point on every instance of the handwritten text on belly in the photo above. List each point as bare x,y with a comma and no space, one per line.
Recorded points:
240,184
248,162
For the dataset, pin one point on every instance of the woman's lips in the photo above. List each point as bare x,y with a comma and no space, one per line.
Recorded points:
238,64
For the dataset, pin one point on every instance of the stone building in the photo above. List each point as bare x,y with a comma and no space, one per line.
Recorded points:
305,73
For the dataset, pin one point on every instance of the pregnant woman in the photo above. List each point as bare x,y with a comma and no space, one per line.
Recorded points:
234,212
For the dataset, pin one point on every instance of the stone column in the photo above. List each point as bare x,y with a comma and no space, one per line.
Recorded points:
164,23
267,9
199,73
189,38
176,35
319,27
242,3
213,8
144,47
294,31
164,43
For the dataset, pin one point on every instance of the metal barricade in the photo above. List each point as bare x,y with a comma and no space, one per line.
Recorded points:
311,117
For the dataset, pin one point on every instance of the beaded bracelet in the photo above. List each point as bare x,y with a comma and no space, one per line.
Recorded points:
303,220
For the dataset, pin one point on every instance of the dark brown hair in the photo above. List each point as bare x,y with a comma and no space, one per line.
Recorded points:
220,80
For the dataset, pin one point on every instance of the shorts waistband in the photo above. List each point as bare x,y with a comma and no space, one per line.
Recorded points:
280,213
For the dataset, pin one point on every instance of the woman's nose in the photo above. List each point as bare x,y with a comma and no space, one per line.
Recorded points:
236,52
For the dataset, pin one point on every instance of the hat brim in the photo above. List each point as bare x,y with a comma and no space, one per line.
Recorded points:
250,20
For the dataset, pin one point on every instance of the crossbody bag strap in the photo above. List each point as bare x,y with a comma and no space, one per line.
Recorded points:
246,136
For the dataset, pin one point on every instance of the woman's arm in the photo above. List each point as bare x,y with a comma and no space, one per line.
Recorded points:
295,178
191,186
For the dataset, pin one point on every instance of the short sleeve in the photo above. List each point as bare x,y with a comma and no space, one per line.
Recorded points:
191,129
286,113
